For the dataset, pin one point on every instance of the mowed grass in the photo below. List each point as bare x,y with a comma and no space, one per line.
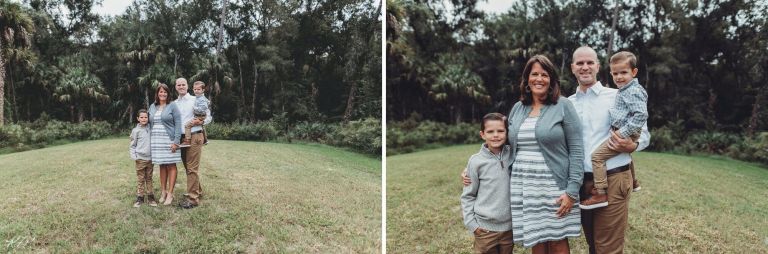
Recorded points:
687,205
258,198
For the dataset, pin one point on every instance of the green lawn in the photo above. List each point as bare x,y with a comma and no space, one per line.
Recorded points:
259,198
687,205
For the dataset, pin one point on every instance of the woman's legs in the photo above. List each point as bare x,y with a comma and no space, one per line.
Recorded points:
171,183
163,179
559,247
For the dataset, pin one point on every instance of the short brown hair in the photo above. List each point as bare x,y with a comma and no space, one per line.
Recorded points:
553,93
157,93
624,56
141,111
493,117
199,83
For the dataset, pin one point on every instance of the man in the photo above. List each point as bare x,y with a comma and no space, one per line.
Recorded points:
190,156
604,228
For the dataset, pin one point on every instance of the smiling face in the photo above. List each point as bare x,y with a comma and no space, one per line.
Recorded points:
143,118
181,87
494,134
162,94
198,90
585,66
538,81
622,73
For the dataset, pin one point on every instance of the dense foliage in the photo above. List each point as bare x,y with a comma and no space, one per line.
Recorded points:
704,63
305,60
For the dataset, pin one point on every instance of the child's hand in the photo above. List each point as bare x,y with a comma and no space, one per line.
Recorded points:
465,178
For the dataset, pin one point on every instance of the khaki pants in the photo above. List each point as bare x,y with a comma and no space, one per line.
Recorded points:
604,228
493,242
144,174
602,154
190,156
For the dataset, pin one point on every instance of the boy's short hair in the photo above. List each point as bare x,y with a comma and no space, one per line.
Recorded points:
198,83
493,117
142,111
624,56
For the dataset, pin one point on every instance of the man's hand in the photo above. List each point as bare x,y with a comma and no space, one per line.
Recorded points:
465,178
624,145
196,122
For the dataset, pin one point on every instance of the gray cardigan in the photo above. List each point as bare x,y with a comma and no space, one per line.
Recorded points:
171,119
558,132
485,202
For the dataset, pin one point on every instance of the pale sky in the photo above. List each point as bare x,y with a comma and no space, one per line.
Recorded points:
112,7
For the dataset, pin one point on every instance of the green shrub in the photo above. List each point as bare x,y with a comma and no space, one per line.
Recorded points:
44,131
363,136
408,136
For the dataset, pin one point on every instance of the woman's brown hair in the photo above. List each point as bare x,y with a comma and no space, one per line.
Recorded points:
553,92
157,93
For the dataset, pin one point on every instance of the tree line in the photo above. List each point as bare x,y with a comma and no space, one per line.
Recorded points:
301,60
703,63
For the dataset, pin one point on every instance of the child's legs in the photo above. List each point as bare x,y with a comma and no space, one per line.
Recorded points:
148,178
140,172
188,131
599,157
493,242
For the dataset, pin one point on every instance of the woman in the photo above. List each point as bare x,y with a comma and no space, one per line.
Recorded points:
547,149
165,125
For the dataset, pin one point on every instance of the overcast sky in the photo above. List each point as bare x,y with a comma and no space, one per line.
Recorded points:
494,6
112,7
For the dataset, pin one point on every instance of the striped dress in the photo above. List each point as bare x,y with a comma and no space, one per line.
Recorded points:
161,144
533,193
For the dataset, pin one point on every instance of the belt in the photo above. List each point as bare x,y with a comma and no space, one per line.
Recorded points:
590,175
196,132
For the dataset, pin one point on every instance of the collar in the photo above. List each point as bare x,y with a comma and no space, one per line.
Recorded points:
594,89
633,82
186,97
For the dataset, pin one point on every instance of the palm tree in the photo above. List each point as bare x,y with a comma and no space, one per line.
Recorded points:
215,72
458,86
79,88
16,28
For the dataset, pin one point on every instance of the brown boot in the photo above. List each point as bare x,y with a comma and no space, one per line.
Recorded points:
636,185
597,200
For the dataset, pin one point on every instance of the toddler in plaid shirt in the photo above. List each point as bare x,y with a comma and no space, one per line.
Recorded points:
627,117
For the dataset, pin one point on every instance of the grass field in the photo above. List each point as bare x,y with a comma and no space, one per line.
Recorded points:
687,205
259,198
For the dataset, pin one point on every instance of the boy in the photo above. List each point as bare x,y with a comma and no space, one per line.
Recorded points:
141,154
485,202
627,117
200,109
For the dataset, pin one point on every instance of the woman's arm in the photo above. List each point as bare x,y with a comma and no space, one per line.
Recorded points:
176,124
575,143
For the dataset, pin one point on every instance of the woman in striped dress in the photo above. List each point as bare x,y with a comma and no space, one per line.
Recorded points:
547,169
165,126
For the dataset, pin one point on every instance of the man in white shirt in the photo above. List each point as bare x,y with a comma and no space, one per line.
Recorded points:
604,228
190,156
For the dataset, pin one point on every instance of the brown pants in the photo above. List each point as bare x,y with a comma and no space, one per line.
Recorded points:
604,228
494,242
188,127
190,156
602,154
144,174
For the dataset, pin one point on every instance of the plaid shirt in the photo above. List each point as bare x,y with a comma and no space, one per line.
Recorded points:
630,111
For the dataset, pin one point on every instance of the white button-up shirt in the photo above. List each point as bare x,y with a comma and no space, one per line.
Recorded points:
593,108
186,105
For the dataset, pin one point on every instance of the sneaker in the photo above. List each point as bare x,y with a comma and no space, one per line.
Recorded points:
151,200
186,143
139,200
636,186
597,200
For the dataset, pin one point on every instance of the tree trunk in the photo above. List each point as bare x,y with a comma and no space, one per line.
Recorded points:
72,113
255,88
613,29
80,114
220,40
241,103
2,87
12,92
350,104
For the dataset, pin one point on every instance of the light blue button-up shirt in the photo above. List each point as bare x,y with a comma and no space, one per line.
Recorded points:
593,107
186,106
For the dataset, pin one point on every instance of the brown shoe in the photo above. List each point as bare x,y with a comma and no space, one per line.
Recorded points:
186,143
597,200
636,185
151,200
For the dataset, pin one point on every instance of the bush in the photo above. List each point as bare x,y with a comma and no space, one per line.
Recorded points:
44,131
408,136
362,135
